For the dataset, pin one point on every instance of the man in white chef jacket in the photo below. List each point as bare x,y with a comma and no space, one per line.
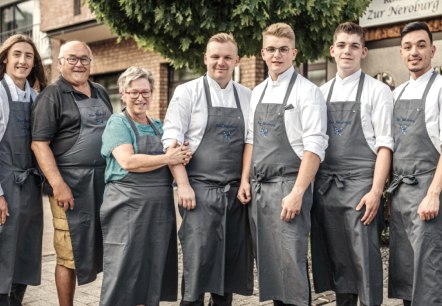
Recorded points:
211,113
346,214
415,268
286,141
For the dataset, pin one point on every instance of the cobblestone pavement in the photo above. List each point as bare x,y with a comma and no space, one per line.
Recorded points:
46,294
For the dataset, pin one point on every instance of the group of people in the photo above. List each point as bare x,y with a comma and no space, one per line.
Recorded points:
257,173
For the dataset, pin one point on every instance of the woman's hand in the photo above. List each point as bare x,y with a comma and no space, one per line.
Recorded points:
176,155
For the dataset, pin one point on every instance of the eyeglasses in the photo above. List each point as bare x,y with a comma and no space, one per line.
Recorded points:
283,50
73,60
134,94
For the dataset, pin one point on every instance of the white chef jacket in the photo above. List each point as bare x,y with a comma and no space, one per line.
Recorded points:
306,122
433,103
186,116
17,95
376,107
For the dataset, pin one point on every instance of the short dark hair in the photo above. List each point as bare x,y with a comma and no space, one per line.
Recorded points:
349,28
416,26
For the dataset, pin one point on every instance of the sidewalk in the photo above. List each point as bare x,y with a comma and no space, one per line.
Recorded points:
46,294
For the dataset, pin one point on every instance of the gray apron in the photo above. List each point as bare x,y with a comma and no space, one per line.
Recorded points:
215,236
21,235
139,234
280,247
415,269
346,254
82,168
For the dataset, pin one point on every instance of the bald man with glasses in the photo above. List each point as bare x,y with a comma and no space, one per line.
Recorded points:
68,120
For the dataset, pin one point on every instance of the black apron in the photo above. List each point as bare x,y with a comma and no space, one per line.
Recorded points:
280,247
415,268
139,234
82,168
346,254
21,235
215,236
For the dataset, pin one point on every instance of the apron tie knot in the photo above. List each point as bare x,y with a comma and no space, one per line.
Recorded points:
21,177
399,179
226,188
259,178
333,177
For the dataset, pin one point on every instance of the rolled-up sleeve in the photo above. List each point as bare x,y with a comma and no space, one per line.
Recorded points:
382,116
314,122
177,120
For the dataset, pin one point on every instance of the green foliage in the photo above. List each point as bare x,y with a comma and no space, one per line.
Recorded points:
180,29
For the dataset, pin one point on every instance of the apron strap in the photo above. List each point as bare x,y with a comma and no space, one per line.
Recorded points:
21,175
339,177
427,88
259,179
8,92
134,128
409,179
287,93
331,91
360,87
336,178
289,88
358,93
209,98
429,84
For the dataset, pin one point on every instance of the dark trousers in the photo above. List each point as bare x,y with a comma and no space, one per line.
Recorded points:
347,299
215,300
279,303
4,300
15,298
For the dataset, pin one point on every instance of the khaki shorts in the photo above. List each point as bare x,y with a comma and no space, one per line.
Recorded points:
62,237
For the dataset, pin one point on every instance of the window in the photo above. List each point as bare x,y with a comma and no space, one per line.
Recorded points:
178,77
77,7
317,71
110,82
16,18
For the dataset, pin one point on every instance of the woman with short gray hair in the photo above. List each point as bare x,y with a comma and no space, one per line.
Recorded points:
138,213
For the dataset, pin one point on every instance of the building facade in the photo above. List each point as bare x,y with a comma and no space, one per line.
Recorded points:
52,22
383,21
64,20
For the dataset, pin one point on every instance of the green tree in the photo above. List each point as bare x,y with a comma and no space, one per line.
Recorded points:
180,29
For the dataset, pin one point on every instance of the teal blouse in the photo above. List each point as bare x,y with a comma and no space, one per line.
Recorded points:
118,132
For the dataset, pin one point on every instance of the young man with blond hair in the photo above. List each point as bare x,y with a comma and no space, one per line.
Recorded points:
211,113
285,143
348,188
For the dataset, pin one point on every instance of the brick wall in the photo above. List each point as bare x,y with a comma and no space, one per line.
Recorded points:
57,14
252,71
112,56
